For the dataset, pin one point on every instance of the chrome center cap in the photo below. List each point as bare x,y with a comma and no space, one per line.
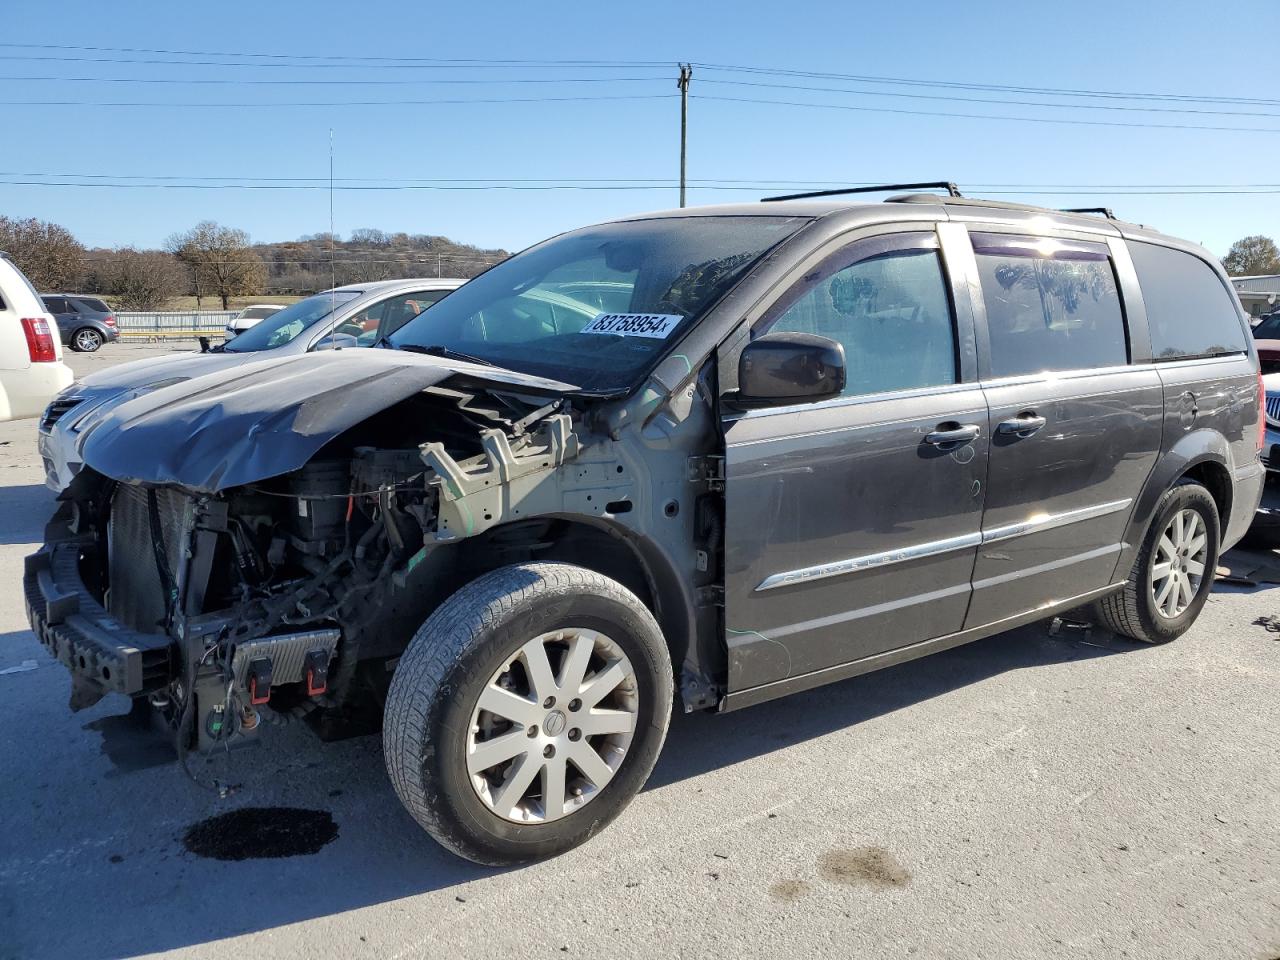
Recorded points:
555,723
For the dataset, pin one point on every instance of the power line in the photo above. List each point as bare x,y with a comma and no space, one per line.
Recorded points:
1024,103
662,182
994,87
382,60
399,64
337,103
992,116
992,190
251,82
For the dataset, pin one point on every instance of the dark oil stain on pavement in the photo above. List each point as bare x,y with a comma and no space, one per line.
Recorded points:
130,744
260,833
789,891
873,866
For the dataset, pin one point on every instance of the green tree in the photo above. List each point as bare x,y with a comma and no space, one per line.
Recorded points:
1252,255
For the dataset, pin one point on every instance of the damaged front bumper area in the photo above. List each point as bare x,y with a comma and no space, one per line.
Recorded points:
103,655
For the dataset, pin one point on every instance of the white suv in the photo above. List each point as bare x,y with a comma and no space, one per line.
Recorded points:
31,367
250,316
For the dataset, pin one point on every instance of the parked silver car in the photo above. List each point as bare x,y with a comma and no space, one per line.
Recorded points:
355,315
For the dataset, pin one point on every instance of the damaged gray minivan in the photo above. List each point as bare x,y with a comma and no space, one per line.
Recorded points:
721,454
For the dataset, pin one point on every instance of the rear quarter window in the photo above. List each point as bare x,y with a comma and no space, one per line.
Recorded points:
1189,310
92,303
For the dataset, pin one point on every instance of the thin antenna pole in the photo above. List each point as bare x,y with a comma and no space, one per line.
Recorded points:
333,271
686,73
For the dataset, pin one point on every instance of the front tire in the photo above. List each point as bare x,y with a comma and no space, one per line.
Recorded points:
527,712
1173,573
86,340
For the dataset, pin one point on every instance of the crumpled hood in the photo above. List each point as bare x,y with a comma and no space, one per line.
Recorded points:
262,419
137,373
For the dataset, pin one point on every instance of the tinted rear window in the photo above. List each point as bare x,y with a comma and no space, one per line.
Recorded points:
1189,310
1051,304
93,304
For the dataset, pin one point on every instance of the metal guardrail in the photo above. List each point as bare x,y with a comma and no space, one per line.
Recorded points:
172,325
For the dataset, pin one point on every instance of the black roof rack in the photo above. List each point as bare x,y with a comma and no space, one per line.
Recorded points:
1105,211
951,189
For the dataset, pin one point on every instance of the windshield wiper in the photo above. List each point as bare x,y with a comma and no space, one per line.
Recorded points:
439,350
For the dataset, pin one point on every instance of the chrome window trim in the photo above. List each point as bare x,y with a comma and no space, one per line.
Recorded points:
1050,521
1200,361
855,400
869,561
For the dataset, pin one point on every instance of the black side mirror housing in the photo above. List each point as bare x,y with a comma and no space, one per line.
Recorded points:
204,344
784,368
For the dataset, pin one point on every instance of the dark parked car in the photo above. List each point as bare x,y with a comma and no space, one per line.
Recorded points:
1266,336
84,323
820,438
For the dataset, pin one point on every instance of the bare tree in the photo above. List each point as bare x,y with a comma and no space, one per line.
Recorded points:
1251,256
142,279
48,254
220,259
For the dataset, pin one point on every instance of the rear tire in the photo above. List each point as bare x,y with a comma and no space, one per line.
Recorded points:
1173,573
483,646
86,340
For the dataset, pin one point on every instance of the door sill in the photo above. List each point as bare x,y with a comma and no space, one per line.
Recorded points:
807,681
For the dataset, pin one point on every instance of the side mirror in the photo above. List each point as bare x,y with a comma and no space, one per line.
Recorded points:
783,368
204,344
336,341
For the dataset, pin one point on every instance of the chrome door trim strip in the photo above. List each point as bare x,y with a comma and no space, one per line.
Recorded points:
837,568
1049,521
870,561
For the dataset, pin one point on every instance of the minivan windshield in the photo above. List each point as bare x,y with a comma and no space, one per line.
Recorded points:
280,328
595,307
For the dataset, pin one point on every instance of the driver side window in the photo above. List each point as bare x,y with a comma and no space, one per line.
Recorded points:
890,311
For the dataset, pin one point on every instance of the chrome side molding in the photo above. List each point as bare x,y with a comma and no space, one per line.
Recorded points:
871,561
1048,521
837,568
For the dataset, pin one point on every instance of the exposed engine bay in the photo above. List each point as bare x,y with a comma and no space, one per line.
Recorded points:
295,595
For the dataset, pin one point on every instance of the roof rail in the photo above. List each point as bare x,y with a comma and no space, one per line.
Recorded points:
951,189
1105,211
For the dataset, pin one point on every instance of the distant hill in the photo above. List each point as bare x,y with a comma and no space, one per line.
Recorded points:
303,266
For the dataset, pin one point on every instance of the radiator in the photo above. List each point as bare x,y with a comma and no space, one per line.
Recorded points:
136,593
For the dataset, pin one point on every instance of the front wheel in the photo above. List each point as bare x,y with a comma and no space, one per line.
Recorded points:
86,340
1172,576
527,711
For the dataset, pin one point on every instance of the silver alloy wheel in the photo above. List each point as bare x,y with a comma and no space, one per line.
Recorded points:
552,726
1177,566
88,341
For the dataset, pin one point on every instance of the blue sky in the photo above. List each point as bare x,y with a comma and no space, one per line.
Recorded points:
1117,46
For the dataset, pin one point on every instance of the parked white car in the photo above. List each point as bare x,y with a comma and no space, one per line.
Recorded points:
31,369
250,316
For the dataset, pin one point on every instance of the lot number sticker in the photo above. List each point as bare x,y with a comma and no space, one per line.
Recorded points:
655,326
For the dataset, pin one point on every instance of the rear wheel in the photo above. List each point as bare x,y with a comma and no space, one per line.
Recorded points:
527,712
1173,573
86,340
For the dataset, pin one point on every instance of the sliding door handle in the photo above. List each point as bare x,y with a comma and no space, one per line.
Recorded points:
1021,426
951,434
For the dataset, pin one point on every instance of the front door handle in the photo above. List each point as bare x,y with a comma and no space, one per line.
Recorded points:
947,435
1021,426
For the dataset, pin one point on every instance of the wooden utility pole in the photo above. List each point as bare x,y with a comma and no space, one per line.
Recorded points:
686,72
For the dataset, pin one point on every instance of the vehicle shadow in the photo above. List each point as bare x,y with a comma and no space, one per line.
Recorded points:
701,742
114,845
24,511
